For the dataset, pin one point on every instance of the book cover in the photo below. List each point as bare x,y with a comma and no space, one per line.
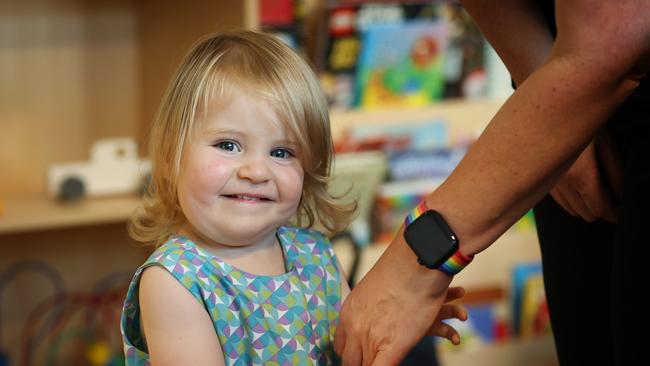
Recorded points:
402,64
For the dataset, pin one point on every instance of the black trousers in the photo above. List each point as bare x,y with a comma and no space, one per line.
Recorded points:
597,275
577,265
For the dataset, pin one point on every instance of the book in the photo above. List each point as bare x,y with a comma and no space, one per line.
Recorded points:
530,311
402,64
394,201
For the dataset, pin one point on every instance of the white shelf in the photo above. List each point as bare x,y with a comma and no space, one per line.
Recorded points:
33,213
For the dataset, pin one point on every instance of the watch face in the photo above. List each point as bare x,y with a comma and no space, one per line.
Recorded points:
431,239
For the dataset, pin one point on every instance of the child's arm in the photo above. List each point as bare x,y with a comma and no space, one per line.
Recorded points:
177,328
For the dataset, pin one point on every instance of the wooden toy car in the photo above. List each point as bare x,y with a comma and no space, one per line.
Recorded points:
113,168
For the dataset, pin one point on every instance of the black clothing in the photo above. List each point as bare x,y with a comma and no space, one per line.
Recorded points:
594,273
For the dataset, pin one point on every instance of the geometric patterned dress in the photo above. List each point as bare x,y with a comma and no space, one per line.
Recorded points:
288,319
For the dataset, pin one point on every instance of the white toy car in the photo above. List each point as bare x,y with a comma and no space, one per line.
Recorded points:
113,168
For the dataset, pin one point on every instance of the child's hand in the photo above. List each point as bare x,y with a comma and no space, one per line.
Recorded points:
449,311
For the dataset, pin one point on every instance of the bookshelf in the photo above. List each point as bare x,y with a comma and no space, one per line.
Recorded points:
40,213
73,72
26,211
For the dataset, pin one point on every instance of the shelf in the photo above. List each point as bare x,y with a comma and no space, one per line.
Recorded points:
530,352
77,71
465,118
42,213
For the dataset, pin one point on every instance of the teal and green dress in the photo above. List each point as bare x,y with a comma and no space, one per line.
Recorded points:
287,319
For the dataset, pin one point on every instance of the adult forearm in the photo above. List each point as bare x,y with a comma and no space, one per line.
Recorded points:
530,142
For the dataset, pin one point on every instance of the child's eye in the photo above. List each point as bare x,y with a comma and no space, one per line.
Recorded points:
282,153
228,146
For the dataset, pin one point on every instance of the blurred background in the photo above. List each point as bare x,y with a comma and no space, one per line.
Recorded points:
411,84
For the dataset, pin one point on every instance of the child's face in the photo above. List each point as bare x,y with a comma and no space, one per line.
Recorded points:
240,177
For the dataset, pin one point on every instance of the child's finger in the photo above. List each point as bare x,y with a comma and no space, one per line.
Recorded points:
454,293
449,311
444,330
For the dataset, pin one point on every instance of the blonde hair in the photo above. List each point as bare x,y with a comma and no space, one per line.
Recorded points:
269,67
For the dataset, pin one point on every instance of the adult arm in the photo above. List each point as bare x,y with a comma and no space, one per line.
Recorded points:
178,330
524,44
528,145
547,122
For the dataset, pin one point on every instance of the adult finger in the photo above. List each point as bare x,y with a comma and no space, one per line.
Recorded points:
454,293
445,330
612,170
449,311
339,338
347,347
559,198
352,354
599,202
577,202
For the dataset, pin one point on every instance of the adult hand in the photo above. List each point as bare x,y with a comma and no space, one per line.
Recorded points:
582,190
391,309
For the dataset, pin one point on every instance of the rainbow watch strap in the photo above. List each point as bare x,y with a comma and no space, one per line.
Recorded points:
453,264
416,212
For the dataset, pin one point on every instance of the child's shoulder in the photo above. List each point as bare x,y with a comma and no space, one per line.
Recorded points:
304,240
175,249
303,235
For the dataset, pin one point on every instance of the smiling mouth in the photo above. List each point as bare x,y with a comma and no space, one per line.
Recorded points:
247,198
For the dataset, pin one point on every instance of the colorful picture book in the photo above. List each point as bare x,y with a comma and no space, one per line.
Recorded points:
402,64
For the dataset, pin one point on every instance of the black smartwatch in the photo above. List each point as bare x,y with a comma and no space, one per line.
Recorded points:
433,242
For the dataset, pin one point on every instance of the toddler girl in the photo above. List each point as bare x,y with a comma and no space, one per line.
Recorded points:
240,148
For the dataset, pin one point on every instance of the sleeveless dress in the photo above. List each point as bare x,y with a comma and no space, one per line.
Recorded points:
287,319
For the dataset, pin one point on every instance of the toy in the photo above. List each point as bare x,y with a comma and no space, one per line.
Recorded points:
113,168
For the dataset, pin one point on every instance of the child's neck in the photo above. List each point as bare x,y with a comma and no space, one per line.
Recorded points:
266,258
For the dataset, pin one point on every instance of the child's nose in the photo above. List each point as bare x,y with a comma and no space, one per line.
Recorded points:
254,169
